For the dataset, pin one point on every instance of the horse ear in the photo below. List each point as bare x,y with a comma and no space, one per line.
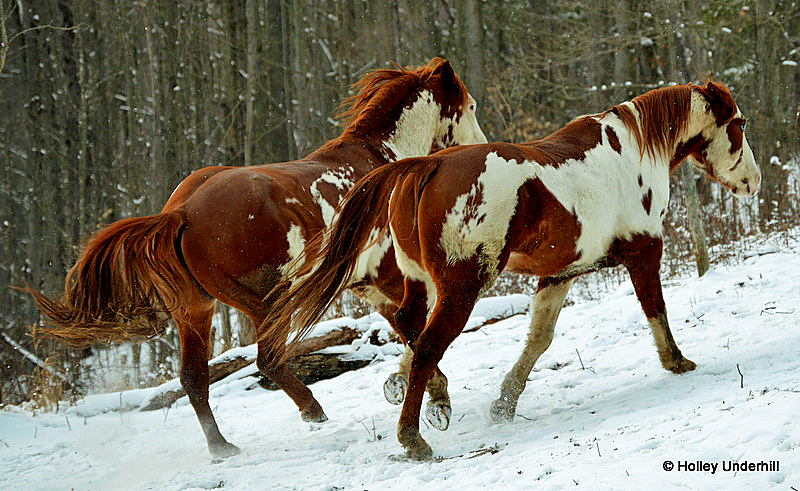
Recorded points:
445,70
719,100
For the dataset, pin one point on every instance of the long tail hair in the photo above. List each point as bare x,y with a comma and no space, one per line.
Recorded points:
127,278
331,256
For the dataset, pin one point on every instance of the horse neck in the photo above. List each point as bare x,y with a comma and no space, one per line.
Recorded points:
411,134
664,141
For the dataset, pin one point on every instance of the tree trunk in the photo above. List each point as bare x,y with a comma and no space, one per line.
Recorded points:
247,331
696,229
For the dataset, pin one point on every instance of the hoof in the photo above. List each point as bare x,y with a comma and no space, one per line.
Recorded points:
420,452
314,414
682,365
502,411
416,446
438,414
394,389
224,450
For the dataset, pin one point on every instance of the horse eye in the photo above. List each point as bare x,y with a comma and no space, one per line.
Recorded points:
472,108
741,126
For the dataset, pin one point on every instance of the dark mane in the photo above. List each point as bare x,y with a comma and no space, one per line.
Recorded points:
376,87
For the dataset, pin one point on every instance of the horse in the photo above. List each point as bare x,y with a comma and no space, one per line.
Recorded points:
591,195
232,234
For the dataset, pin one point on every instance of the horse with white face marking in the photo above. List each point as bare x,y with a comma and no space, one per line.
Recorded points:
590,195
232,233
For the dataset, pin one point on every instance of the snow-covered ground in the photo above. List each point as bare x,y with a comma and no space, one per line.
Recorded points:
599,412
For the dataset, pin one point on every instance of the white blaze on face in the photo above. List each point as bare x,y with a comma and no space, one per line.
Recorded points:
737,171
414,131
466,130
339,178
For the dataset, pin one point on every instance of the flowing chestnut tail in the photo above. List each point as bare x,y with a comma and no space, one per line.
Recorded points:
122,286
330,257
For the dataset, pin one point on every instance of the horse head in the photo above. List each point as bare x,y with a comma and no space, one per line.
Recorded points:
458,123
721,150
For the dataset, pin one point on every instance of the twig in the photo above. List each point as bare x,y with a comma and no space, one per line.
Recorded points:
4,443
579,359
373,434
741,377
69,426
166,413
35,359
597,444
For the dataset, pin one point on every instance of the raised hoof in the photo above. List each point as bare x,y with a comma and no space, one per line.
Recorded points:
438,414
314,414
502,411
224,450
682,365
394,389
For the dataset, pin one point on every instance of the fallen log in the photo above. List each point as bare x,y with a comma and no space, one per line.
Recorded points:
234,360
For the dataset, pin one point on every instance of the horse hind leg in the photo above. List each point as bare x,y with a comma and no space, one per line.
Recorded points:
310,409
408,320
547,303
195,333
446,322
438,409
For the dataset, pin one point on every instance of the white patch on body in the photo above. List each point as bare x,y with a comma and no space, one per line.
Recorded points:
414,271
603,191
341,178
296,246
369,260
471,223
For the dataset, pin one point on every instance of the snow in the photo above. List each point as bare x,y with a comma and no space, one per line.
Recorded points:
599,412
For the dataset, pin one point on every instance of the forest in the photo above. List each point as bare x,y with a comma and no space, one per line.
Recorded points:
106,105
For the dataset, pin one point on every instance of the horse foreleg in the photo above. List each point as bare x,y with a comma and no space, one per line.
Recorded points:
195,331
642,258
547,303
310,409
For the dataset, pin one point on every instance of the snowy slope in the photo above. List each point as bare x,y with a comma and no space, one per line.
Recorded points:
599,412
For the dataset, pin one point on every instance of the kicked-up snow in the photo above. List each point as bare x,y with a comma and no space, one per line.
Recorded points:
599,412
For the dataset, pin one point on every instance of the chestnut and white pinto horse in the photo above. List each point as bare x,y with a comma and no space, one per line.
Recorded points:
233,233
591,195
